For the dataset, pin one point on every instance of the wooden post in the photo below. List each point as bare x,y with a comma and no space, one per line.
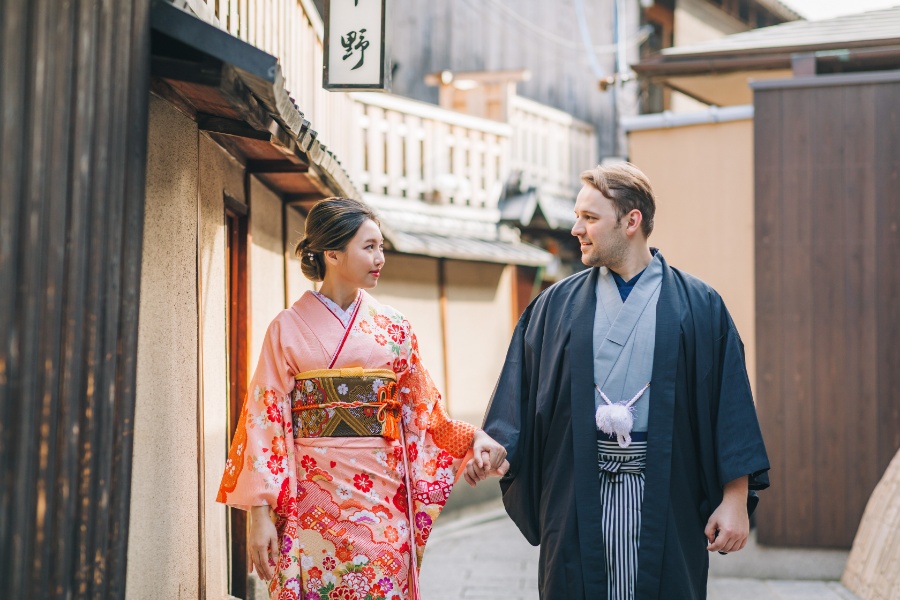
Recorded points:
442,291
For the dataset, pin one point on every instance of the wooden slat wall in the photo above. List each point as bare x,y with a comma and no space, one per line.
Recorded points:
827,163
74,87
488,35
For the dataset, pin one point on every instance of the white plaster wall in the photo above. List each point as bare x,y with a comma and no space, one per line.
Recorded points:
266,283
220,174
296,282
410,284
479,327
697,21
162,542
703,174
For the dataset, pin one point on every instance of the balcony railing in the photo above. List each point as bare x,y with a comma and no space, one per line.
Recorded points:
412,149
550,147
403,148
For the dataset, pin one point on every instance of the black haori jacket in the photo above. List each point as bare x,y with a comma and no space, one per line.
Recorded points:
702,433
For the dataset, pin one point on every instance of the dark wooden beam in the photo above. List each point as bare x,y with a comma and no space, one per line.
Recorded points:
234,205
215,124
302,200
162,89
207,72
276,166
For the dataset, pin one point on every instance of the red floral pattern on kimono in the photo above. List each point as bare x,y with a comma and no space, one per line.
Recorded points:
342,504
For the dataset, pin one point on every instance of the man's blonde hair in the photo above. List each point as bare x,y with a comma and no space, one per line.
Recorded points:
628,189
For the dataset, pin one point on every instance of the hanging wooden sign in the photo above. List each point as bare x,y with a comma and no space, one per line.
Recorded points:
357,53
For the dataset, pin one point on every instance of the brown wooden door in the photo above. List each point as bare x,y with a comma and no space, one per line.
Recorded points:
827,178
238,377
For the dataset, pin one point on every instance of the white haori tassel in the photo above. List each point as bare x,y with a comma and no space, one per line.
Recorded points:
617,418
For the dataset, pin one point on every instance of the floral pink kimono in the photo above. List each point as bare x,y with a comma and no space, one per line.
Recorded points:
321,436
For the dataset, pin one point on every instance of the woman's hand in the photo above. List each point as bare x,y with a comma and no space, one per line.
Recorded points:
488,459
262,542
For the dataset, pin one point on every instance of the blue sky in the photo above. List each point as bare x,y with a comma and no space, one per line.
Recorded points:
824,9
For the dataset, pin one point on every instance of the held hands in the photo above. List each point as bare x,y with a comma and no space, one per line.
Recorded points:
262,543
488,459
729,526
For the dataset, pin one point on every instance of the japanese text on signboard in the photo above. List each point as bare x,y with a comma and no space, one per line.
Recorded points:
355,53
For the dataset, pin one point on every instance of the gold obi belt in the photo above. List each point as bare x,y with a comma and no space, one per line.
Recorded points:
346,403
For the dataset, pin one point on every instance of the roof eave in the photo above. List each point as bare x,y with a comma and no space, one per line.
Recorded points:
708,63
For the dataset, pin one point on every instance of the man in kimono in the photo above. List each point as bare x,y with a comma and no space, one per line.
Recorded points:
625,409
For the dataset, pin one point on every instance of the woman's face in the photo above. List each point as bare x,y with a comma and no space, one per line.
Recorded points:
360,263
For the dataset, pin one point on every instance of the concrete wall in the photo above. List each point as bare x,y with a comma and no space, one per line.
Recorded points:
479,326
697,21
873,569
703,179
162,544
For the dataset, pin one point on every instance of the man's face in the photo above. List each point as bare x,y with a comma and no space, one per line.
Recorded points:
601,234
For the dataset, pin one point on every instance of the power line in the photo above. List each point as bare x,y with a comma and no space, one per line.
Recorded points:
552,37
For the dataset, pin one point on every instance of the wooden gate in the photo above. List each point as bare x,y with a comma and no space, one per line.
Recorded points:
74,87
827,163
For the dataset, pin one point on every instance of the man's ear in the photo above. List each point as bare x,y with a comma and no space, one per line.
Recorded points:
633,224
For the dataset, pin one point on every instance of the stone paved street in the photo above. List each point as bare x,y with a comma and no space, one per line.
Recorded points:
481,555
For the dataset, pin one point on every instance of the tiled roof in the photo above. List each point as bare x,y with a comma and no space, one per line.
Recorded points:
558,211
460,248
865,28
447,231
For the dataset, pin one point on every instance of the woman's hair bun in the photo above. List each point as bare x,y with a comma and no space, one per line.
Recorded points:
311,262
330,225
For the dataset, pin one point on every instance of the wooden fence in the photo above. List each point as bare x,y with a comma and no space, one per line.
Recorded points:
827,162
73,99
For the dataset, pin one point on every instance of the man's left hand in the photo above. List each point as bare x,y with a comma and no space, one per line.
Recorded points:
729,526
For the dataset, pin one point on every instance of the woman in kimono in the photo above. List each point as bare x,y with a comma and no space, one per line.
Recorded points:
344,454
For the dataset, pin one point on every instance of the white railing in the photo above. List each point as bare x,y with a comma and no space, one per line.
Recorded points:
410,149
402,148
549,146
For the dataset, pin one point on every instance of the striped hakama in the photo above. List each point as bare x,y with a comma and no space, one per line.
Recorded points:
622,494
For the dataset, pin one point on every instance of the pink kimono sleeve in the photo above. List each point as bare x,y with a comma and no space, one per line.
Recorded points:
437,446
260,469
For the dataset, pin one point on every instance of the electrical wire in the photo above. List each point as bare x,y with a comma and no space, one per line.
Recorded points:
586,40
552,37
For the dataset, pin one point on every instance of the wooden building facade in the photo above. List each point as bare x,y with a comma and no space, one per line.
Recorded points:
827,163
